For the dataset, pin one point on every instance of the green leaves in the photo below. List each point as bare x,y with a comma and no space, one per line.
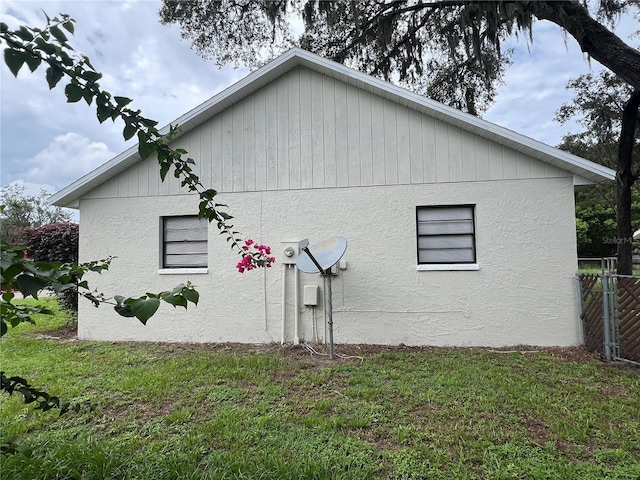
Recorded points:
90,76
74,93
129,131
68,26
122,101
30,278
14,60
30,285
33,46
191,294
58,34
146,146
33,62
54,75
24,34
143,308
43,400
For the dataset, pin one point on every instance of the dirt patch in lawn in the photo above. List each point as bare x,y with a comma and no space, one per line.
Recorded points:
66,333
317,355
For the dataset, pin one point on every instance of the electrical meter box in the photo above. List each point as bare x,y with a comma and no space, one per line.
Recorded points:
290,251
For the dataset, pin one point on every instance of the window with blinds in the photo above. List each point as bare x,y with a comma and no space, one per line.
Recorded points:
184,242
446,234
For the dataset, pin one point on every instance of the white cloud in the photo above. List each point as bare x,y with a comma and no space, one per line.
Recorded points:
66,158
140,59
33,189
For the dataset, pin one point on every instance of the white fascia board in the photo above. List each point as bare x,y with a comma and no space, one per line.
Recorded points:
579,181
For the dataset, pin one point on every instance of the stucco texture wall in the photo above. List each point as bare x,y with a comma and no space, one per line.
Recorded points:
523,293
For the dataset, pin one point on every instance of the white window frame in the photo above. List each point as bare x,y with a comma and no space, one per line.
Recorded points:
461,265
181,269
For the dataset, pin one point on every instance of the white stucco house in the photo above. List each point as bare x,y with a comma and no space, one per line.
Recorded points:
460,232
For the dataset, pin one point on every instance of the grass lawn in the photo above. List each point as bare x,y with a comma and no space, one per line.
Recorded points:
266,412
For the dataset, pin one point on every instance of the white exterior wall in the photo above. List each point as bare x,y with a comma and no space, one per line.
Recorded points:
523,293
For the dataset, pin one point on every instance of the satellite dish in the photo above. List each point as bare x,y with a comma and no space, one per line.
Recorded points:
323,255
319,259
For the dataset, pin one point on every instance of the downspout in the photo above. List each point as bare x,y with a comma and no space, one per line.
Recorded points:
296,305
264,291
284,306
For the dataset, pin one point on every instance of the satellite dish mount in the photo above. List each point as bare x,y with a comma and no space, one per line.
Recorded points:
325,255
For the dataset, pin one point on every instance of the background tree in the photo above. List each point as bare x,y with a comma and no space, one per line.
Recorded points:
22,210
601,105
397,38
415,49
447,49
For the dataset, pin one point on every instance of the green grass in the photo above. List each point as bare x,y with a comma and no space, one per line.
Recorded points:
228,411
598,270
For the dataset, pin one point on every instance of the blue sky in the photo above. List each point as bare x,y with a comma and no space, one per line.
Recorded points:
47,143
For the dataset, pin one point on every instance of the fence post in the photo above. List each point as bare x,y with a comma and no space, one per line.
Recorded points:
605,315
580,309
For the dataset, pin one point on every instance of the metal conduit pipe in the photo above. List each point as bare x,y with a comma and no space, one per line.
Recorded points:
284,297
296,305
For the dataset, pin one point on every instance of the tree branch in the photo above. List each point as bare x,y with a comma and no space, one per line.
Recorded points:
594,38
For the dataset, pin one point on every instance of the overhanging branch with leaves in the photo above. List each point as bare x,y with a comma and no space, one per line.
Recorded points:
34,47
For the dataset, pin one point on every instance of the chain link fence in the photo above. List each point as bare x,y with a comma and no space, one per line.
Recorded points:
610,313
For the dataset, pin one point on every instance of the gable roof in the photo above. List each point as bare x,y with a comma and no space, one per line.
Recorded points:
585,172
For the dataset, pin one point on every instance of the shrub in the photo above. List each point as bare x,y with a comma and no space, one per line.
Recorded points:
55,242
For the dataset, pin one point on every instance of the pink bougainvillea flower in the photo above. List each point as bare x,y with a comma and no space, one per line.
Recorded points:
254,256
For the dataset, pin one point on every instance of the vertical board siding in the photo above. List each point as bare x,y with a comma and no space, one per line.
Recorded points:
260,137
523,168
283,133
317,131
340,119
378,139
441,153
482,158
364,138
329,133
237,149
402,145
205,159
308,130
390,142
271,127
455,154
495,161
537,169
216,154
293,118
468,157
509,164
353,137
227,150
306,160
429,150
415,147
